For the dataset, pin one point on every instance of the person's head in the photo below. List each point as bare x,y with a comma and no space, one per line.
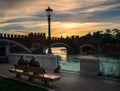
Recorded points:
33,58
21,56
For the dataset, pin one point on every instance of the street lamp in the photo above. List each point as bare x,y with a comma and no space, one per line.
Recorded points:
49,13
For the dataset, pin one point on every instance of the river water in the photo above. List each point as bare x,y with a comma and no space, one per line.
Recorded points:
108,66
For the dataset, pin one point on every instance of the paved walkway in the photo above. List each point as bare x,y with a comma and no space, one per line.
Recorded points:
74,82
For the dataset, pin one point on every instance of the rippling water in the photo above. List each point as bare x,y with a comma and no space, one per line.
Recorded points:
108,66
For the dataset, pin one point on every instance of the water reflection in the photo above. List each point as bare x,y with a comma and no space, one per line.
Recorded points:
108,66
61,51
68,62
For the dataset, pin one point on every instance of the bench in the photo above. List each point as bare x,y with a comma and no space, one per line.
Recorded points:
34,72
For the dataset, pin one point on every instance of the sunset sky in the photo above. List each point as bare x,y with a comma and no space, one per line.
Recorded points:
70,17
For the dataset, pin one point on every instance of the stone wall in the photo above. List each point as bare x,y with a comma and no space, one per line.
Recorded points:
49,62
89,65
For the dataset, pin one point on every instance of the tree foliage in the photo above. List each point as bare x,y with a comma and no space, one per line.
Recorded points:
107,36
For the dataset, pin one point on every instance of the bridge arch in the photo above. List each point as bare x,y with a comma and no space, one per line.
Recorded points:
14,42
87,48
60,44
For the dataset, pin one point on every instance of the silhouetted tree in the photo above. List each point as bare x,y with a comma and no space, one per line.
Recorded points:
116,33
98,35
87,36
107,36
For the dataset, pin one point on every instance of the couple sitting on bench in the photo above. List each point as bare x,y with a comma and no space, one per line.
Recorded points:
34,70
32,63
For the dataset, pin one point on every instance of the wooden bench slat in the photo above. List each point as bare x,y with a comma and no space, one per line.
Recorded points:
47,77
34,72
21,67
52,77
16,70
20,72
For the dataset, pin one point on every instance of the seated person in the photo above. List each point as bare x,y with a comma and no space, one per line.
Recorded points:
34,63
21,61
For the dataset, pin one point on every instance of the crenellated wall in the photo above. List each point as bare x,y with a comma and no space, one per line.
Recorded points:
35,40
26,40
40,35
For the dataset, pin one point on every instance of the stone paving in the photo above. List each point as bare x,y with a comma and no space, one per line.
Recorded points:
74,81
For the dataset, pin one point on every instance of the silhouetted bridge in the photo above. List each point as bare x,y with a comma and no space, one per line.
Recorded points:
30,42
27,43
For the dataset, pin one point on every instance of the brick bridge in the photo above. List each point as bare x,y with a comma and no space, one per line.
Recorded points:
77,45
74,44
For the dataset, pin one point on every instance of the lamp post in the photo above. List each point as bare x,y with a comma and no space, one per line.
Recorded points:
49,13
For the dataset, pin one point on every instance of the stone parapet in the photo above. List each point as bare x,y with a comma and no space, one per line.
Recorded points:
89,65
49,62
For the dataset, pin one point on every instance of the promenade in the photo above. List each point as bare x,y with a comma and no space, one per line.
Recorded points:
73,81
